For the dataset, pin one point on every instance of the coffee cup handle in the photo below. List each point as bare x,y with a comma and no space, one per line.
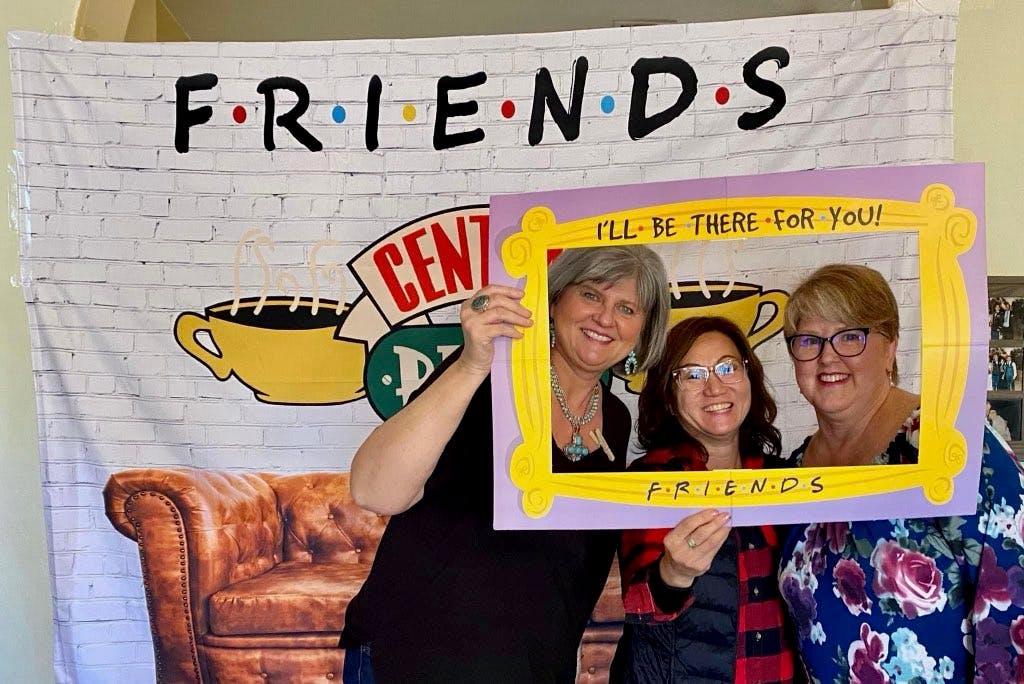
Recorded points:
778,299
185,329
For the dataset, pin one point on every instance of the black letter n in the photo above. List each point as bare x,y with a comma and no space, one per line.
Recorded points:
544,94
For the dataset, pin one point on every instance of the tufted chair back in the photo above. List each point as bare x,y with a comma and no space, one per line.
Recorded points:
321,521
244,573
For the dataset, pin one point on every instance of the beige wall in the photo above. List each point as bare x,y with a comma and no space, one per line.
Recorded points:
988,100
26,628
988,119
231,20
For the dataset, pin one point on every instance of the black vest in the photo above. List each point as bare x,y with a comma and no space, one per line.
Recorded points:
699,646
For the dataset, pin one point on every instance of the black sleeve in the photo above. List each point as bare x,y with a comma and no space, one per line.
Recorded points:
668,599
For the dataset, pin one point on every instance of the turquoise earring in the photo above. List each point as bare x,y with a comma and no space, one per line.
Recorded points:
630,365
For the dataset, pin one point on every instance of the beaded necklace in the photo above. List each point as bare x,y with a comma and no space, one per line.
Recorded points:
575,450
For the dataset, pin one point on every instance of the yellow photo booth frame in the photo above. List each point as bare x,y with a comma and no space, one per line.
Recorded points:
944,232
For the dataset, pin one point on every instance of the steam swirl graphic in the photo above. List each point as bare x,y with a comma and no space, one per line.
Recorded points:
332,271
259,239
289,284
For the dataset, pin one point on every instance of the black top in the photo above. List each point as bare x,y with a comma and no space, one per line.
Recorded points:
449,599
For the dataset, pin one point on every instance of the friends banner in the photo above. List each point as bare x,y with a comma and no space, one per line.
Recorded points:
241,257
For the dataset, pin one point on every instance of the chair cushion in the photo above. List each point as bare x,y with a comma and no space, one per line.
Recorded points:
294,596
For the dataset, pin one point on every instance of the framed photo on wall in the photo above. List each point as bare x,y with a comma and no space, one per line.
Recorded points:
1005,411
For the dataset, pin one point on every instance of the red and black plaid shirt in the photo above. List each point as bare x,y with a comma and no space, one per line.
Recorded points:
765,651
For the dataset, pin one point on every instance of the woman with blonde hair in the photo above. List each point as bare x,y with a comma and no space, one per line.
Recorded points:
905,600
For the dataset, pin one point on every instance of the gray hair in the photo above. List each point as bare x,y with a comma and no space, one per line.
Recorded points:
611,264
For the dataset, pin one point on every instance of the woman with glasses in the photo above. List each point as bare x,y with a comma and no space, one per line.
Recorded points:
701,599
908,600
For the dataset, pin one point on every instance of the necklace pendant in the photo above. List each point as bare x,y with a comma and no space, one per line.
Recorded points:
575,450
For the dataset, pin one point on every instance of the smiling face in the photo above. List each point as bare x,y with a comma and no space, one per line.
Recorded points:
713,414
596,324
838,386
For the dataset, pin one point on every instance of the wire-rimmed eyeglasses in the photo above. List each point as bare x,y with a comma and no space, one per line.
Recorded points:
846,343
693,376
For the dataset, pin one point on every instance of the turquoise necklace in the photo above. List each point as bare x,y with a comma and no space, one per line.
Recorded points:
575,450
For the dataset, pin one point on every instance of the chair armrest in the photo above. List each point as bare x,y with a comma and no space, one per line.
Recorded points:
198,531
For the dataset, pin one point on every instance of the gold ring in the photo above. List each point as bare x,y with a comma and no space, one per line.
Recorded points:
689,542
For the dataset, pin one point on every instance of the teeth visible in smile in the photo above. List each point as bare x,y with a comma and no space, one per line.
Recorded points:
596,336
832,377
717,407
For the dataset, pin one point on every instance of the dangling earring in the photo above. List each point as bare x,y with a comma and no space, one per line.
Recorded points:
630,365
551,331
888,374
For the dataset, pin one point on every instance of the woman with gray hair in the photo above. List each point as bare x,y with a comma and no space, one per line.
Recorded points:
450,599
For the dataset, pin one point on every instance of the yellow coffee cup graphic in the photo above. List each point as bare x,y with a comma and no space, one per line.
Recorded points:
284,350
742,303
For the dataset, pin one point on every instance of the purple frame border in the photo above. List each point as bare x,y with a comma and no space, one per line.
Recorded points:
896,183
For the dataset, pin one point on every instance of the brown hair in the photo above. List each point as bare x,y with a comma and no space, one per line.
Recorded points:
659,426
846,293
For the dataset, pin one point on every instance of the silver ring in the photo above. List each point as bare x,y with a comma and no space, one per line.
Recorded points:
479,303
692,544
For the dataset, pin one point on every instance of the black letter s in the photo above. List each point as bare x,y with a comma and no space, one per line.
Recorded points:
751,120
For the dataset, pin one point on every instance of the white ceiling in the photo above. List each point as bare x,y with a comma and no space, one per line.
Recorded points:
253,20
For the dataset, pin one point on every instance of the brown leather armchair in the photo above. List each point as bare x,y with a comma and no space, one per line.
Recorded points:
602,634
247,576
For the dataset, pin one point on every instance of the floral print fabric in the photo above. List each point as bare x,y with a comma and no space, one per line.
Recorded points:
915,600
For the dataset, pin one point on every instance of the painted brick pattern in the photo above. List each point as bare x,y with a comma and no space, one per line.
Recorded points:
120,233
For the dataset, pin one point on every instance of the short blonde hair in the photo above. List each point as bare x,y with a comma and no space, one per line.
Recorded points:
845,293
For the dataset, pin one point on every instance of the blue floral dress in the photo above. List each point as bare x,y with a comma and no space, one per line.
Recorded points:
914,600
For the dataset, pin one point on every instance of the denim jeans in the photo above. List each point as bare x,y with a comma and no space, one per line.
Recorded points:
358,667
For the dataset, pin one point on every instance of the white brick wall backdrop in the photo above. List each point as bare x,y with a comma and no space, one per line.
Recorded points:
120,233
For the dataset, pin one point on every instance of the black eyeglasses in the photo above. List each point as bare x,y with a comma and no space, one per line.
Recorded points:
846,343
694,377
